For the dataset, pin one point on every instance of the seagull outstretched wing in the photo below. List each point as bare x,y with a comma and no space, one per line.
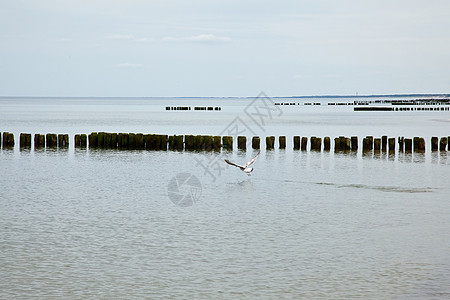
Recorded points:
252,160
233,164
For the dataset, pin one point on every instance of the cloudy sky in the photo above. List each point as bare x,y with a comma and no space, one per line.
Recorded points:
223,47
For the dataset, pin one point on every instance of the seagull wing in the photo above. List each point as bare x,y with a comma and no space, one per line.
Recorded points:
233,164
253,159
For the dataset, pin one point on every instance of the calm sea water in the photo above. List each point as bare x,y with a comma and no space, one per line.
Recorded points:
79,224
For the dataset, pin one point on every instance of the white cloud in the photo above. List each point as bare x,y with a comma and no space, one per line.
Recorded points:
128,65
129,37
201,38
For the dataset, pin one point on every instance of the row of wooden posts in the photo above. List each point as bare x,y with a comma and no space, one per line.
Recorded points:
139,141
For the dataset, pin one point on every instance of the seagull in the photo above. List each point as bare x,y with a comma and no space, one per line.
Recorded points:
245,167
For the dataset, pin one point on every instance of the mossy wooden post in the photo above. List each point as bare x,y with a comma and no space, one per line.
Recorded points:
93,140
421,146
217,143
296,142
39,141
120,141
131,141
367,144
242,143
434,143
227,142
139,141
304,143
108,140
282,142
51,140
11,141
100,140
179,143
377,144
4,138
391,144
198,142
163,142
443,143
384,143
270,142
354,143
256,142
208,141
77,141
114,137
337,144
63,140
316,143
25,140
408,145
189,142
1,140
326,143
401,142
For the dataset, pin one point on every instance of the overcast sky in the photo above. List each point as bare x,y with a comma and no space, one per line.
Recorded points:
223,47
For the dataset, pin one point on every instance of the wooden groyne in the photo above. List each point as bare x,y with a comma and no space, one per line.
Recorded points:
140,141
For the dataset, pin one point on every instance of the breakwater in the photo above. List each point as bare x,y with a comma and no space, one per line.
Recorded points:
140,141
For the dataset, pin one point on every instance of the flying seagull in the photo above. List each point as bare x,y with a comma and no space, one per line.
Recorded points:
245,167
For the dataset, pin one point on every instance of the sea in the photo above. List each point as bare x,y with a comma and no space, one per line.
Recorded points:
82,223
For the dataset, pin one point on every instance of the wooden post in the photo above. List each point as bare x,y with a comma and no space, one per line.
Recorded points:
326,143
217,144
256,142
282,142
139,141
316,143
354,143
377,144
52,140
242,143
25,140
208,140
391,143
93,140
434,143
296,142
227,142
367,144
384,143
408,145
270,141
443,143
401,142
304,144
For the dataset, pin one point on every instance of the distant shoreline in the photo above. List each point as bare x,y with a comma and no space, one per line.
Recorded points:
230,97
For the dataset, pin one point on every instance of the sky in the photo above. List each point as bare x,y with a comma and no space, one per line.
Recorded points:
153,48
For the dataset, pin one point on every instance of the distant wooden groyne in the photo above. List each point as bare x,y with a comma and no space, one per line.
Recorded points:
140,141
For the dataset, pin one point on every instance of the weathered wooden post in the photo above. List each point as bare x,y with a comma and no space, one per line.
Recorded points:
121,144
377,144
242,143
39,141
384,143
199,142
304,143
401,142
217,144
367,143
296,142
326,143
163,142
337,144
227,142
52,140
25,140
101,140
391,143
270,141
434,143
93,140
208,140
189,142
316,143
354,143
63,140
114,137
8,140
408,145
132,141
443,143
256,142
77,141
139,141
282,142
1,140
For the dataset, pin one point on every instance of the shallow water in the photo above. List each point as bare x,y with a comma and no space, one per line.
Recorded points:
100,224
